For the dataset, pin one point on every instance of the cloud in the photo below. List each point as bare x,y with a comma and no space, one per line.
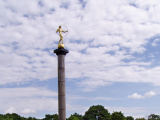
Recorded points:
136,112
26,92
28,111
99,40
73,97
139,96
136,96
107,42
10,110
78,108
33,101
150,94
25,111
27,101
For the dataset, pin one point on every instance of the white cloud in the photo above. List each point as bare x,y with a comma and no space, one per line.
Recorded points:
76,108
139,96
28,111
136,96
155,42
28,101
26,50
26,92
10,110
73,97
136,112
27,38
150,94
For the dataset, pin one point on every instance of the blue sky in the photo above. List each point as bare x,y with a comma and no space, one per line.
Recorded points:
113,59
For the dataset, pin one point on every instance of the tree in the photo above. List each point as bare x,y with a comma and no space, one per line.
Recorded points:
117,116
51,117
153,117
55,116
129,118
48,117
31,118
75,116
13,116
97,112
140,119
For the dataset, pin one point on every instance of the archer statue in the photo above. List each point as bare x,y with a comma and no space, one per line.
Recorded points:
60,30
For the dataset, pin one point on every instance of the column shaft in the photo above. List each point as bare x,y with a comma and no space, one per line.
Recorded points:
61,52
61,88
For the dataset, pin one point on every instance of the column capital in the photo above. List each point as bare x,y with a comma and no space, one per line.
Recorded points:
61,51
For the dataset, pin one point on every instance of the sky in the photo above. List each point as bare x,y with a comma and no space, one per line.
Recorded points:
113,58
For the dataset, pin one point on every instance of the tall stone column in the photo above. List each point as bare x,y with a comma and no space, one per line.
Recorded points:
61,52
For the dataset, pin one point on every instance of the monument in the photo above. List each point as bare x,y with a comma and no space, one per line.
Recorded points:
61,52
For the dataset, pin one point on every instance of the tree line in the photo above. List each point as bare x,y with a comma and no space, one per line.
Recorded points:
95,112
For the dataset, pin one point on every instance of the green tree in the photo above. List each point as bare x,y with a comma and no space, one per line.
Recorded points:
117,116
153,117
75,116
51,117
129,118
97,112
12,116
48,117
140,119
55,116
31,118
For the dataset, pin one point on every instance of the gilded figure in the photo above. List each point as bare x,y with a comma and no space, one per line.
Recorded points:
60,31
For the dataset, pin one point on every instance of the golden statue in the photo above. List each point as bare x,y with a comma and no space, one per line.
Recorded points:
60,43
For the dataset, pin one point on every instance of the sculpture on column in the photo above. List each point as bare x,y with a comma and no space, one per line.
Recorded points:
60,31
61,53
